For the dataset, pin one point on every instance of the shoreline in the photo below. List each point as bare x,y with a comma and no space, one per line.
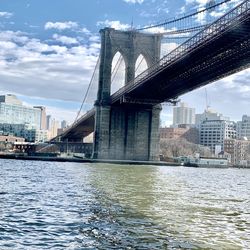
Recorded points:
87,160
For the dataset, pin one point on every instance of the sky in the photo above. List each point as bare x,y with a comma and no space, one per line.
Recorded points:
49,49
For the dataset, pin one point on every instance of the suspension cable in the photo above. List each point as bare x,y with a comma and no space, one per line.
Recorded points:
115,70
87,91
139,64
187,30
184,17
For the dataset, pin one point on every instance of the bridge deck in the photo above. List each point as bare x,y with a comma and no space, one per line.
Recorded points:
217,51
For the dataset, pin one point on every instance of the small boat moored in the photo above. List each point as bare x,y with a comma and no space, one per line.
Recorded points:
205,162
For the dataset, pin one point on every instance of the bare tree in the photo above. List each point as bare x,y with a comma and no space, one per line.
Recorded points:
181,147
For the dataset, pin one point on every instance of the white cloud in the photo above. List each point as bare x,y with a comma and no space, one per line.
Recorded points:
61,25
65,39
199,2
157,30
216,14
17,37
35,68
7,45
134,1
167,47
221,11
62,113
182,10
6,14
85,30
201,17
113,24
94,38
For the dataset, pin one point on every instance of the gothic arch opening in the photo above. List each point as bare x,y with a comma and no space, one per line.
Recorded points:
140,65
117,73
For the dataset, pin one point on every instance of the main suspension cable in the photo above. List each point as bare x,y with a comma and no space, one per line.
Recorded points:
184,17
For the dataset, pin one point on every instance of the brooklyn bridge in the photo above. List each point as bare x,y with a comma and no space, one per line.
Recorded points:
126,123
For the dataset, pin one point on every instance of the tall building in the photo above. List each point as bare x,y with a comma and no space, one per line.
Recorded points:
183,115
54,129
243,128
63,124
48,122
13,112
42,116
214,132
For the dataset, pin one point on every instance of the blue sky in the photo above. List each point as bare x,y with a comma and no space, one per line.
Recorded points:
48,51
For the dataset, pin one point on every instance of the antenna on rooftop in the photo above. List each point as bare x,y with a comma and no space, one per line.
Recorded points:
132,24
207,104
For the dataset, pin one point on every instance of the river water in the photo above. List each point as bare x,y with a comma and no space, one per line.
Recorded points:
48,205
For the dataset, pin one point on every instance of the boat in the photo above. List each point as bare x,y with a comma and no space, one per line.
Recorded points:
205,162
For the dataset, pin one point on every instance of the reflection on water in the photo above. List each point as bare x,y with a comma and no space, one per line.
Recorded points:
85,206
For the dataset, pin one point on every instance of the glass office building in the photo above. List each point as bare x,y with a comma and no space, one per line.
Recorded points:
13,113
19,120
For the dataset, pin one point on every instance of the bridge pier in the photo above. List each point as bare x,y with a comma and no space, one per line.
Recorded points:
127,133
101,135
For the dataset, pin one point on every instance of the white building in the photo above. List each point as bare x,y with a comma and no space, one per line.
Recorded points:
243,128
13,112
10,99
209,114
19,120
41,135
183,115
54,129
214,132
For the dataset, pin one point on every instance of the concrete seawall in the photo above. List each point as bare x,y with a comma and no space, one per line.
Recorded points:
81,160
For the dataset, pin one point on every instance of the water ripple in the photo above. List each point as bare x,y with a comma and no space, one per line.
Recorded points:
80,206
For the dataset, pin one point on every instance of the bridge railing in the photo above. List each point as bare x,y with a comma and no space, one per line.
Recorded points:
234,16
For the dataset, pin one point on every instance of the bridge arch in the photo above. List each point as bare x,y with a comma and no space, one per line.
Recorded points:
141,64
130,44
118,72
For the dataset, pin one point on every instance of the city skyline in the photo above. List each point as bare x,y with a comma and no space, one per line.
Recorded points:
48,57
207,108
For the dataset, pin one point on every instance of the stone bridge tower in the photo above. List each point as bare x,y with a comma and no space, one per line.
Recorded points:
127,131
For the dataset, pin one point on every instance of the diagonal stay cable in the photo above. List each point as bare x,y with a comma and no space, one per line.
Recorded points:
87,91
116,68
116,65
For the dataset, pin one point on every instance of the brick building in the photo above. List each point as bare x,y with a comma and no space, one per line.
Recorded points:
238,149
189,133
